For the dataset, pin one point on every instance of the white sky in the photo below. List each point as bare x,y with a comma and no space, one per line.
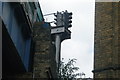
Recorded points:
81,44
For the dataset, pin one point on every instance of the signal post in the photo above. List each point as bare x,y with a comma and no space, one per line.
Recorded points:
61,32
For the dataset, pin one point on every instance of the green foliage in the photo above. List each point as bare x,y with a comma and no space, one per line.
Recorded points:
67,70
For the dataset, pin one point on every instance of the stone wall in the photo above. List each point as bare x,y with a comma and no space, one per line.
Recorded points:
107,40
44,57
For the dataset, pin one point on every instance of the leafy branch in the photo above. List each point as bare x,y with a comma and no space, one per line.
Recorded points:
67,70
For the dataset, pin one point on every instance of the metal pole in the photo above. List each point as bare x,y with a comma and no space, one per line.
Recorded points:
58,47
48,14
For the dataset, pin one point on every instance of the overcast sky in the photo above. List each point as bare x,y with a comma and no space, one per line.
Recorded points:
81,44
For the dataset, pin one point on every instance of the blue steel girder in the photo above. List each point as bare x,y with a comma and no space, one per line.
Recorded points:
19,29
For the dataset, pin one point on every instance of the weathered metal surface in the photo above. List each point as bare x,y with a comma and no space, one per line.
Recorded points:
16,31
